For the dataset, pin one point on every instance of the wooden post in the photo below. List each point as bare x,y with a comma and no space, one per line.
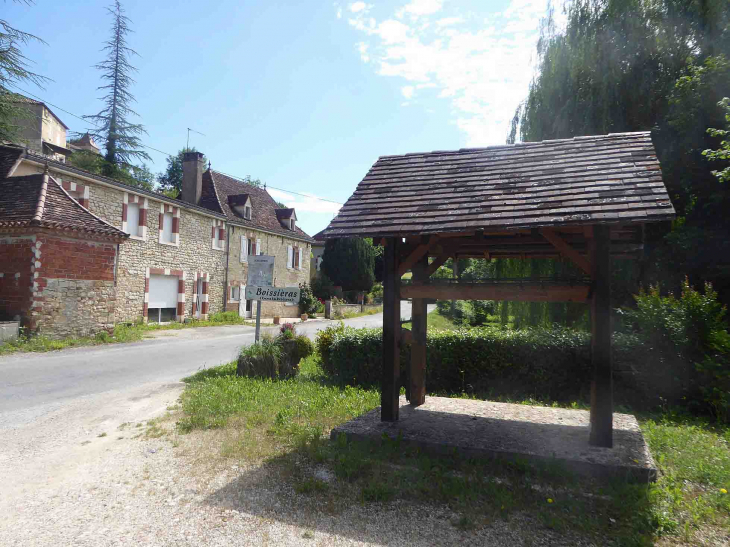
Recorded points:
418,347
602,386
390,387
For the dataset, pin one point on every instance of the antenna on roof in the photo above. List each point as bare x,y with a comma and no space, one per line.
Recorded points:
187,146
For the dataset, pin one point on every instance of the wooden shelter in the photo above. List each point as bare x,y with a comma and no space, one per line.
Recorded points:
584,199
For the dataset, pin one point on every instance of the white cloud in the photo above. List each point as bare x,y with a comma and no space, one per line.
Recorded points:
358,6
339,13
420,7
480,67
309,203
362,47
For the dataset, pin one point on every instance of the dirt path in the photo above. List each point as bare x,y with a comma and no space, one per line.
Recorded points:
91,473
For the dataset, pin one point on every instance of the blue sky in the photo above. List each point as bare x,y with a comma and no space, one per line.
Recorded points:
303,95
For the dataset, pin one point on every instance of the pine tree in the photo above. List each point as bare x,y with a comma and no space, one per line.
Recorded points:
119,135
14,70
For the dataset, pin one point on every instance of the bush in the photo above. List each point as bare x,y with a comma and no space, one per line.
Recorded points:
690,345
305,345
475,313
322,287
225,317
323,341
307,301
287,331
260,360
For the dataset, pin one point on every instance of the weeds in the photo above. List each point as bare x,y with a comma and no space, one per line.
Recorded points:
284,423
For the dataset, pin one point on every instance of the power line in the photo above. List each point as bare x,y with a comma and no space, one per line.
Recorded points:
167,153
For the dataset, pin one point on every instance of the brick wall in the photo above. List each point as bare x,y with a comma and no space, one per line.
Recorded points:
16,279
59,286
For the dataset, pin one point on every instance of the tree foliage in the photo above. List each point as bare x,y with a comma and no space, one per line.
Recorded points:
141,177
349,263
112,123
14,70
722,154
659,65
170,182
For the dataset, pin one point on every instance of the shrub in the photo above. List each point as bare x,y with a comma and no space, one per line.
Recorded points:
323,341
287,331
322,287
305,345
307,301
260,360
540,363
689,342
225,317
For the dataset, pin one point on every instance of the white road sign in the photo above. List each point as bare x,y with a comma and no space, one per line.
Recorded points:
273,294
260,271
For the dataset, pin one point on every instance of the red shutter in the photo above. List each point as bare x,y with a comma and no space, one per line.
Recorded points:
142,217
124,212
222,234
212,232
175,225
253,247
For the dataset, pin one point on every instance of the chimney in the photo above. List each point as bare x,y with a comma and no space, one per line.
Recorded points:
192,183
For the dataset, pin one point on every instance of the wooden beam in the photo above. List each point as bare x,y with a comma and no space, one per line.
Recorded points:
419,316
390,384
437,263
565,249
406,336
602,385
527,292
419,252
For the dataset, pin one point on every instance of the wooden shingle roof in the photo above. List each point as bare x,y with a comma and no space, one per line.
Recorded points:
30,202
601,179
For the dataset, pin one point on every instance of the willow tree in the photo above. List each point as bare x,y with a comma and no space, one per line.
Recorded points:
120,137
637,65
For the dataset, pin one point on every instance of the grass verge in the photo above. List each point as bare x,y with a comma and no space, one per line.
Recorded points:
285,425
350,315
122,333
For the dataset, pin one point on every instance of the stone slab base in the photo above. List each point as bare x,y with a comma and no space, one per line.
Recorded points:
514,432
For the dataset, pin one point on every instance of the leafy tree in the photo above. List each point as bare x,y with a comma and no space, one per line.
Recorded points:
113,128
349,263
170,182
659,65
14,70
722,153
141,177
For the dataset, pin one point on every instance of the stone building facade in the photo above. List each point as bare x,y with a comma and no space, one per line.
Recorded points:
182,258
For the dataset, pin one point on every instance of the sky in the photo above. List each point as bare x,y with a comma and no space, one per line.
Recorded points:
302,95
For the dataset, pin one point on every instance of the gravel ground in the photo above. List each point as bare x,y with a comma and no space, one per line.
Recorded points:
66,483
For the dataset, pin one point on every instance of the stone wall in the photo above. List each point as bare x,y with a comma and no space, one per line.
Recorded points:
16,279
275,245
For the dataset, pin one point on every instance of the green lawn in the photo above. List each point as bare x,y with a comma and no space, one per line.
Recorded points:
286,423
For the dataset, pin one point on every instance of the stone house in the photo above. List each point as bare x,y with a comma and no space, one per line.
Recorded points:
57,260
256,225
41,130
182,258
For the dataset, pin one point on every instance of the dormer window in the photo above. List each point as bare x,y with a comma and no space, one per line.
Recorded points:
241,205
287,218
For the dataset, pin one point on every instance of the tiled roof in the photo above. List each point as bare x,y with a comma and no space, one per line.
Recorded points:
8,156
38,158
585,180
216,189
30,202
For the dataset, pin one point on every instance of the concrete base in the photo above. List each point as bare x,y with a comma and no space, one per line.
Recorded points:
517,432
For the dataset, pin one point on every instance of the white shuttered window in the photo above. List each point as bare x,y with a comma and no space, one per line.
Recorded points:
244,249
289,256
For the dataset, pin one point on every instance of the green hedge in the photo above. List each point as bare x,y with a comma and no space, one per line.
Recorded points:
538,363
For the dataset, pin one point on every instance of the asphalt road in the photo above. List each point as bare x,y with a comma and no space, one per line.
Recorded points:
33,384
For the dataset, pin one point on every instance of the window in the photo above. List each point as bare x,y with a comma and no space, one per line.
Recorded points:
217,239
289,256
244,248
247,212
218,235
133,219
292,224
235,293
167,236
